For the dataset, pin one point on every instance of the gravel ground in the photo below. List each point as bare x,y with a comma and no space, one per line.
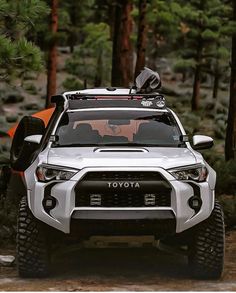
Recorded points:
133,269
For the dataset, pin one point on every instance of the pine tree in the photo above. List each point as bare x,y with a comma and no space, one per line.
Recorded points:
204,19
230,143
17,54
77,13
52,54
91,60
163,21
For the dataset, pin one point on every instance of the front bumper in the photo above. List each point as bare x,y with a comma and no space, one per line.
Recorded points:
65,209
123,214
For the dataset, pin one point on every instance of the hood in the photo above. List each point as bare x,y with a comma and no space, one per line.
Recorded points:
82,157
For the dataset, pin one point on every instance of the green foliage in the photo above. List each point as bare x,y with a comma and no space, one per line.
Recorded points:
29,55
92,59
209,35
73,16
71,83
228,203
17,54
163,18
226,189
226,177
191,122
30,88
182,65
206,40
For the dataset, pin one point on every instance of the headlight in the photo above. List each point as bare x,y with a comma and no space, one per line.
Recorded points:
47,173
196,173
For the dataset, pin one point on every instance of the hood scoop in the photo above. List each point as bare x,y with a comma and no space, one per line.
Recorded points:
121,150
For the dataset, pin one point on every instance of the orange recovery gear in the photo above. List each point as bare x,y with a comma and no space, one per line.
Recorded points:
45,115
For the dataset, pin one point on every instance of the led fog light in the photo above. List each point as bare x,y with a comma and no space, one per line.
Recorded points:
195,203
49,203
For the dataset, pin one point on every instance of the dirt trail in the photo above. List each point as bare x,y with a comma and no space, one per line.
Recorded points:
123,270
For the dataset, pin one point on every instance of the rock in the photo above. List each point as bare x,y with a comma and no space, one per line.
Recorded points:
224,87
4,159
30,88
30,76
209,106
7,260
12,118
3,134
221,117
13,98
30,106
224,101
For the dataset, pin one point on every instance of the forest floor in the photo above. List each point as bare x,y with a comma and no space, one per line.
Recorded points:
135,269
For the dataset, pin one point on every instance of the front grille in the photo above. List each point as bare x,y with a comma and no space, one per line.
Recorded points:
123,200
123,175
95,190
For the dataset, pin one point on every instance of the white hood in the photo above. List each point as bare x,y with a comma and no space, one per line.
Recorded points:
82,157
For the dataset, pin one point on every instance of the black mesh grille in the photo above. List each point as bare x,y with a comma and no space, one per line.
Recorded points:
153,190
124,175
123,200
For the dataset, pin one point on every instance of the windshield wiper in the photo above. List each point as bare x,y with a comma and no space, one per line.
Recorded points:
117,144
139,144
76,145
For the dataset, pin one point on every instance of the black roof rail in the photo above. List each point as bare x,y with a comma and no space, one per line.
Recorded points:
83,96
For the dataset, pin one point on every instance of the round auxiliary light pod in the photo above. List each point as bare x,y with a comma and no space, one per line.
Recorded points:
49,203
195,203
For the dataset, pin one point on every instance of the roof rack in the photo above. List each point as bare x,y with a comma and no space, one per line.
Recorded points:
110,97
80,96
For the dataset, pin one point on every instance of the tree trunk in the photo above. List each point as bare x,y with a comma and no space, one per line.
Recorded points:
52,55
142,37
122,56
216,85
115,73
99,71
197,78
230,142
196,89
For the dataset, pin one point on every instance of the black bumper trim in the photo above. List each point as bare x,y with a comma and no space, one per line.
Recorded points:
123,214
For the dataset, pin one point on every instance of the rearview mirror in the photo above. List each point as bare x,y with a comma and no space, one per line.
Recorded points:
202,142
34,138
119,122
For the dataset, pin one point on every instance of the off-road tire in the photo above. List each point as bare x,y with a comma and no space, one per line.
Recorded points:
20,150
32,244
206,258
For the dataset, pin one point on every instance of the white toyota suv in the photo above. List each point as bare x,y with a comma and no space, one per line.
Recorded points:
115,162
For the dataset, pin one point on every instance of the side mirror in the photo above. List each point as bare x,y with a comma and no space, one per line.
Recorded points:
34,138
202,142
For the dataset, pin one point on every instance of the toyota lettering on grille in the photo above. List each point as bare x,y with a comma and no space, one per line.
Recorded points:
123,184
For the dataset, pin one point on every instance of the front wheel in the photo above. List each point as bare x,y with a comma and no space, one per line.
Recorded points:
32,244
206,258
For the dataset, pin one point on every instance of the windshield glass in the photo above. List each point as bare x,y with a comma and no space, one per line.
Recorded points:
117,127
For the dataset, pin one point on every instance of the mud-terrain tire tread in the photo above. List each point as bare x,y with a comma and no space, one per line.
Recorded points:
206,257
19,157
32,246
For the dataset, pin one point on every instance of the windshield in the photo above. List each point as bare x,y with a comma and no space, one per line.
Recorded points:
117,127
